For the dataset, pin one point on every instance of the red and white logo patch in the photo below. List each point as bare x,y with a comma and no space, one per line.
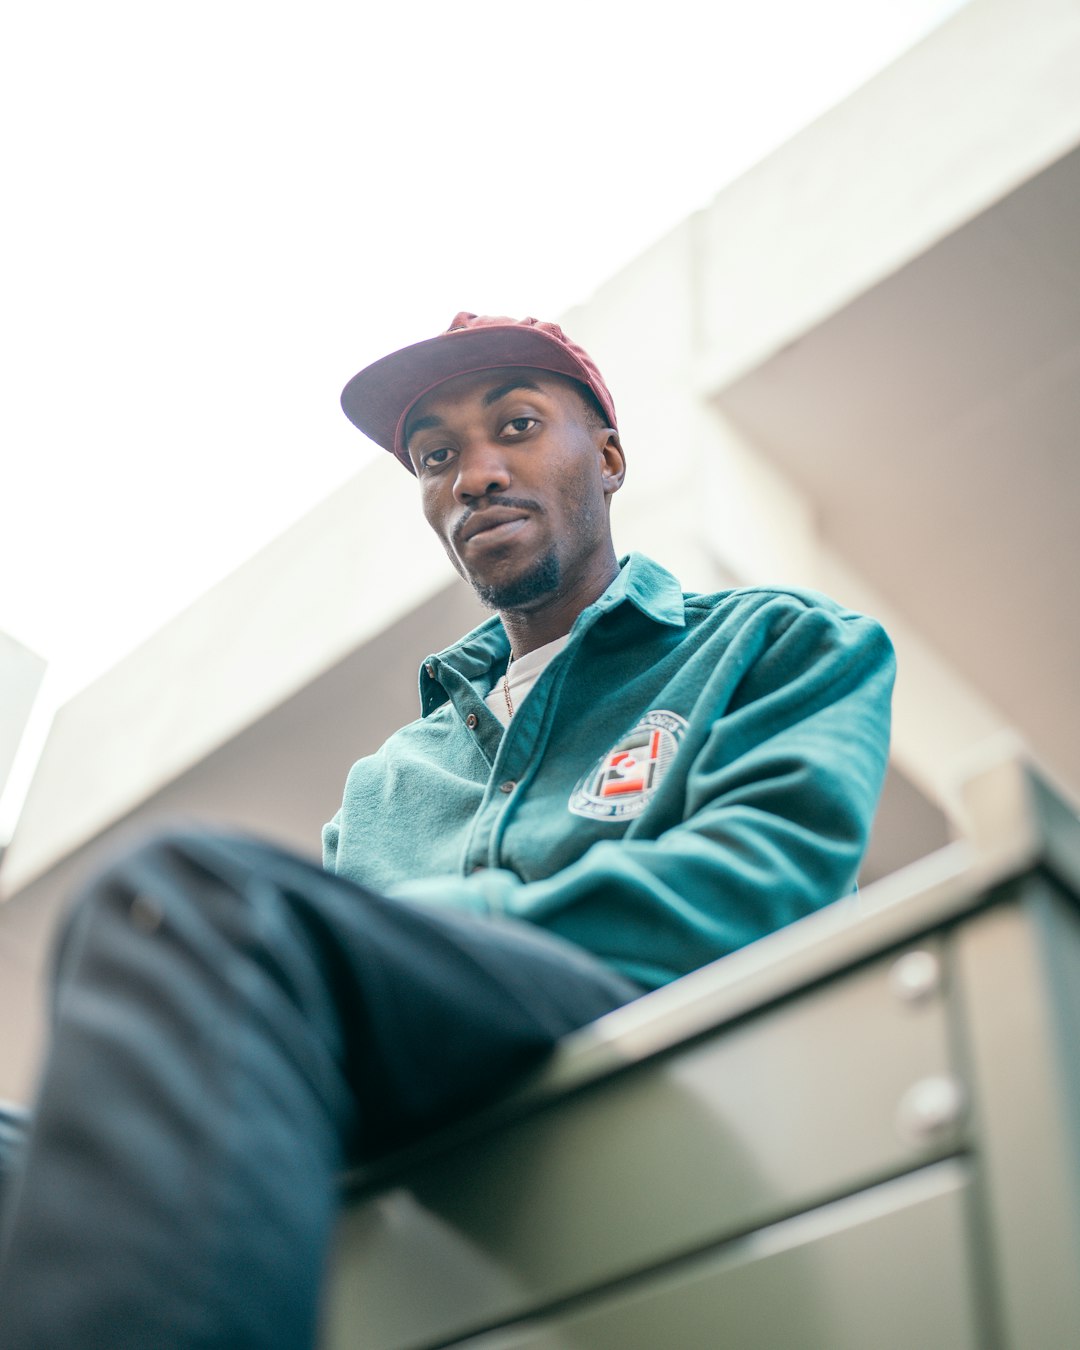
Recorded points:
624,780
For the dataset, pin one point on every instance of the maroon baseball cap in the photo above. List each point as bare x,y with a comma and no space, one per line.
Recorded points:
380,397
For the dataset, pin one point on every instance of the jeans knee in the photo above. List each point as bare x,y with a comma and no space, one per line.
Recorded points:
168,866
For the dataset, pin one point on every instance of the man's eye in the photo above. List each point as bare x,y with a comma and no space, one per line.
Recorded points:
517,426
432,459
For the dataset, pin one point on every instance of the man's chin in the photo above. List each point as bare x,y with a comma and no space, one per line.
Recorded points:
523,591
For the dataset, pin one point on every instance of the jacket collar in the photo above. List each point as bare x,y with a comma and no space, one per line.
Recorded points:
641,582
646,585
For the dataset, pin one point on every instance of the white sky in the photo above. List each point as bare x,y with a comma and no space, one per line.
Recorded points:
216,212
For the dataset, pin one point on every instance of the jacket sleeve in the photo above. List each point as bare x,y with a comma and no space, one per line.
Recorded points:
779,798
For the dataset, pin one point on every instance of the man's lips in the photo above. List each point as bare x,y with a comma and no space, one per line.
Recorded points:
494,521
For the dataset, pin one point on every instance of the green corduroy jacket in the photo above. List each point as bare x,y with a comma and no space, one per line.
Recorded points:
689,773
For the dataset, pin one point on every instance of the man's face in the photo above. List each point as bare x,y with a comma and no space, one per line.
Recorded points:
515,474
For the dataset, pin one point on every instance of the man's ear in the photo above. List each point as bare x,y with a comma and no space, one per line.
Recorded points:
612,461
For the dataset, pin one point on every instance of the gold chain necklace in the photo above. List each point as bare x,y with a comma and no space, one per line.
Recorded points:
506,695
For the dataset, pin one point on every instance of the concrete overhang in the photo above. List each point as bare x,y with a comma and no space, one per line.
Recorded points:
931,424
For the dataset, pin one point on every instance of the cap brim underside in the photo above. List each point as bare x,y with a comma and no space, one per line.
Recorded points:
375,399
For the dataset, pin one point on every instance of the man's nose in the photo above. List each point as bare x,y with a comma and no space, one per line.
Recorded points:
482,470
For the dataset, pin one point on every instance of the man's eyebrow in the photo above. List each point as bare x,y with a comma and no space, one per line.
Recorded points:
421,424
493,395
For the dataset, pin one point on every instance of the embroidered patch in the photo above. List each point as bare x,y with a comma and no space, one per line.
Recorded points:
621,784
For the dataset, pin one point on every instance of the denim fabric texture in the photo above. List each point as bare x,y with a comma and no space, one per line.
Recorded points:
232,1025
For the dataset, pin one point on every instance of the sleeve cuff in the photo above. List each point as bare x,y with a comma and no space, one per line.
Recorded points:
487,892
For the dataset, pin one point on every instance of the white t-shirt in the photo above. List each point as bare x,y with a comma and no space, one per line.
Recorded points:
521,675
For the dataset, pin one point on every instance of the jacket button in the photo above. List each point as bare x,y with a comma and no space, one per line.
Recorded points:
508,786
471,721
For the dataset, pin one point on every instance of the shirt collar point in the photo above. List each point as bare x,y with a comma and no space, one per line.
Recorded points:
652,589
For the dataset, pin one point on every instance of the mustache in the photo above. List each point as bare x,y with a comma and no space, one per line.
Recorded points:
514,503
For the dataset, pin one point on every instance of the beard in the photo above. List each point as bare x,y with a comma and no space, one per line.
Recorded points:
541,579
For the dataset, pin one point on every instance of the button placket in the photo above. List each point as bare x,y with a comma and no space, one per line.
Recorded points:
522,744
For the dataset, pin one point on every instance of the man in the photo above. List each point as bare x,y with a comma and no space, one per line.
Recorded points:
610,784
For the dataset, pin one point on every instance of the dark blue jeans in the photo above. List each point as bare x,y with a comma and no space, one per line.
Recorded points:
231,1025
12,1133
